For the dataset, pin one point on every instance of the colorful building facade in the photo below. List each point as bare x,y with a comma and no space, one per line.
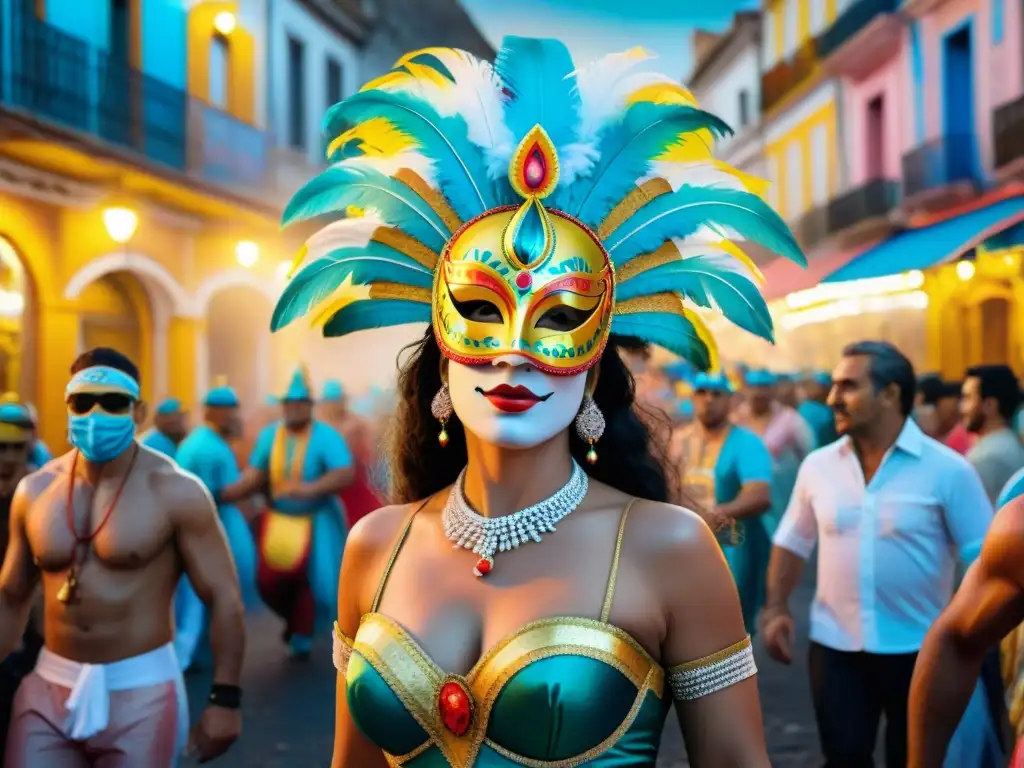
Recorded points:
910,215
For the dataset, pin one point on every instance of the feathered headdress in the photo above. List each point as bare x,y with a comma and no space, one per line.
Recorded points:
433,210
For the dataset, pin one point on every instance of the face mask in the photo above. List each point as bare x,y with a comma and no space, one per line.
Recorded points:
99,436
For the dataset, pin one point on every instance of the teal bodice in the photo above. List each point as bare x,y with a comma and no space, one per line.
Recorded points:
563,691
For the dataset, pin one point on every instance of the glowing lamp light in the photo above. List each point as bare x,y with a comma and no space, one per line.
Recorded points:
120,223
965,269
225,22
247,253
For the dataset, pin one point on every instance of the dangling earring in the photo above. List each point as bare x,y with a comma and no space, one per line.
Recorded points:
441,408
590,426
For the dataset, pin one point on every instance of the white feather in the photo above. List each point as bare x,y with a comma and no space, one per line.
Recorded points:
346,233
723,260
415,161
702,174
475,96
601,99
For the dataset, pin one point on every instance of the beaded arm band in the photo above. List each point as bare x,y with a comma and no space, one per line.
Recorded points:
342,650
698,678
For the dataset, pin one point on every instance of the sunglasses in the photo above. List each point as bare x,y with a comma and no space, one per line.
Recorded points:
13,448
111,402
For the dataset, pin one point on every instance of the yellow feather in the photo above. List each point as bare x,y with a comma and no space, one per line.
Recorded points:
740,255
377,137
704,334
297,262
345,294
385,80
437,52
689,147
424,72
662,93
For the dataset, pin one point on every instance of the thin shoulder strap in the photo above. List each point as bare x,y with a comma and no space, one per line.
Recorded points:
394,555
609,594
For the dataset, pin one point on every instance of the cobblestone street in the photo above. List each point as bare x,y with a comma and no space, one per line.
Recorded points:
289,707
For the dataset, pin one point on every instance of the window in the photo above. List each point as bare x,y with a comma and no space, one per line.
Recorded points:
219,55
296,93
744,109
819,169
875,135
773,178
335,92
794,179
818,14
791,25
768,52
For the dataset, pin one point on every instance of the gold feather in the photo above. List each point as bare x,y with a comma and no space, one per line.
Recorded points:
630,204
377,137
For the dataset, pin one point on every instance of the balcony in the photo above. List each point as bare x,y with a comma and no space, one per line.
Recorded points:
940,164
785,76
812,228
853,20
62,81
869,202
1008,136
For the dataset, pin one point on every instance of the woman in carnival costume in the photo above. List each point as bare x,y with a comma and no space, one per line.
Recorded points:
533,215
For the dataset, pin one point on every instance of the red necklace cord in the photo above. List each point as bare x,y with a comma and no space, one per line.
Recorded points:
88,538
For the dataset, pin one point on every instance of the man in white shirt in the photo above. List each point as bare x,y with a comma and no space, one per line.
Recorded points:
886,505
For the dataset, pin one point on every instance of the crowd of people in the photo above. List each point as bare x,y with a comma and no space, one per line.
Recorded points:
891,481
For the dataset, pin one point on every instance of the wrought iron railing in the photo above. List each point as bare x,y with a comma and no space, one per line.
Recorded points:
1008,132
60,79
852,21
786,75
871,200
812,227
940,163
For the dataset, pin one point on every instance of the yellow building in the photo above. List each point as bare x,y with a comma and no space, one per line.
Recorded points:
139,207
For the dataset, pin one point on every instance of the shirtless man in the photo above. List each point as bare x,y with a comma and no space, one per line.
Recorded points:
108,529
988,605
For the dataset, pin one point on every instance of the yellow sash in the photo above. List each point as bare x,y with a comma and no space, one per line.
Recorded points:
285,538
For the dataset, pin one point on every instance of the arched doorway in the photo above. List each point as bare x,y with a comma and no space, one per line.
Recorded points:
115,312
17,324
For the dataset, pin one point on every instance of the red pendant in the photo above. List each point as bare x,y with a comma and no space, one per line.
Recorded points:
483,566
456,707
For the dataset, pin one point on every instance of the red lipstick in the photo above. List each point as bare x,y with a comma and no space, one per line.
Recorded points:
509,399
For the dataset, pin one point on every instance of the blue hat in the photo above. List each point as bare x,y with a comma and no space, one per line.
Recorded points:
169,406
333,391
299,387
821,377
759,377
272,400
684,409
714,382
16,423
221,397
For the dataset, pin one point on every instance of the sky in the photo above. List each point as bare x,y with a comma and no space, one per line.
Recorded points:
592,28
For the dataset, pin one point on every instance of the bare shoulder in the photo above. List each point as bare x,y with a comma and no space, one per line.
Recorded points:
378,531
1003,551
673,542
182,494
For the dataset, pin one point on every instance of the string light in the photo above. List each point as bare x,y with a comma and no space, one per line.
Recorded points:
852,306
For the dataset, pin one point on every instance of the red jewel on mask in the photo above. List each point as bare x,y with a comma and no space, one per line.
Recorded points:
523,281
455,706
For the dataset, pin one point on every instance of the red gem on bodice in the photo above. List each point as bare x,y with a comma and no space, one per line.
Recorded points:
455,706
523,281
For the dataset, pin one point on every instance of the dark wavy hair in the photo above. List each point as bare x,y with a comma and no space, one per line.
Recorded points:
631,459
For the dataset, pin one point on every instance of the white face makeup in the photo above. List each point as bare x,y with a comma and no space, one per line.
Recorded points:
511,404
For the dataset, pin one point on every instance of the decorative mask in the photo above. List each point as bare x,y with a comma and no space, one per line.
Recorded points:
101,412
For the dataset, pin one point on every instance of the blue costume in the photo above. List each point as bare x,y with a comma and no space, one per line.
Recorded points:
157,440
300,540
819,417
715,474
207,455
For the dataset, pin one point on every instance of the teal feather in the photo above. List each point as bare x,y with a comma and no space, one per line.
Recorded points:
682,213
320,278
626,150
708,281
430,60
338,187
376,313
665,329
459,164
538,75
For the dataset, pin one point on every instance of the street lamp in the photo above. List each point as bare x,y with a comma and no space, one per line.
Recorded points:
225,23
965,269
120,223
247,253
